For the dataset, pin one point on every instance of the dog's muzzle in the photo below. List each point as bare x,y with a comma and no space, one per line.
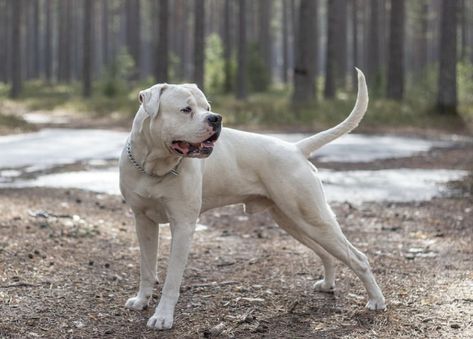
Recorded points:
204,148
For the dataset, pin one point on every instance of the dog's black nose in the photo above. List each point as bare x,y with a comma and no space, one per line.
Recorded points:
214,119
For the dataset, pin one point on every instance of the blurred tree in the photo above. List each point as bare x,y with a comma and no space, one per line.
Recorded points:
227,46
161,53
395,86
305,53
199,43
105,21
48,41
64,43
16,50
133,33
373,57
285,40
463,29
422,36
341,43
3,40
265,37
447,81
355,41
330,61
241,86
89,13
34,30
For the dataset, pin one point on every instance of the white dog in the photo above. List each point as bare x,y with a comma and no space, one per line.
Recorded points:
163,181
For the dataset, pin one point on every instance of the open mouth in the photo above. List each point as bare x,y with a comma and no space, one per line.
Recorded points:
195,150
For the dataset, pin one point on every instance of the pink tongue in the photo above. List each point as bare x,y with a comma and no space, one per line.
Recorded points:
183,147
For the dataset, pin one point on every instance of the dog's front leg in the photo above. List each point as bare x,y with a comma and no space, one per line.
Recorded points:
147,232
182,233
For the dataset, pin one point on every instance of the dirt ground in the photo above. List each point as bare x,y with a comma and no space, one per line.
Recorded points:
69,261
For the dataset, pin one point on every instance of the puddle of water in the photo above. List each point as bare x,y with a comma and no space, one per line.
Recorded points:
50,147
365,148
101,181
387,185
41,118
352,186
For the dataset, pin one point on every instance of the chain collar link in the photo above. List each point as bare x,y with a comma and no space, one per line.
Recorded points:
142,170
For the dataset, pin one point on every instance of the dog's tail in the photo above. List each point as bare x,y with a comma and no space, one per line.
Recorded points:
310,144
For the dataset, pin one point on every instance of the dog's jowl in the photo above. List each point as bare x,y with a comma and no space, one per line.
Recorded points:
180,162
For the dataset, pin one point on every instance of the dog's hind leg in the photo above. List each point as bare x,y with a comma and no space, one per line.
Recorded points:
308,209
327,284
147,232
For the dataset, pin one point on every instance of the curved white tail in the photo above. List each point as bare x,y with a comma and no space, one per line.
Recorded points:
311,144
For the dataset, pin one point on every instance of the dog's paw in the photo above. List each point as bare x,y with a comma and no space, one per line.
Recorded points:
376,304
161,321
137,303
323,286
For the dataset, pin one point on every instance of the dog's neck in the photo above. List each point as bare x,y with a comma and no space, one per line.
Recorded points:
152,154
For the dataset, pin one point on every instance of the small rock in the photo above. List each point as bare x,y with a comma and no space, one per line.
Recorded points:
78,324
107,265
30,255
455,326
91,263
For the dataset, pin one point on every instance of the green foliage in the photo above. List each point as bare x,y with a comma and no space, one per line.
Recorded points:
214,64
259,76
115,78
465,90
465,82
175,69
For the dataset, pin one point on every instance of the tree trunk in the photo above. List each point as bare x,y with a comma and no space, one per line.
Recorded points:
331,49
65,39
88,48
227,47
3,41
16,52
161,47
463,29
373,60
48,39
305,53
242,55
264,33
181,16
105,33
341,42
199,43
395,87
36,40
422,46
285,41
133,33
447,85
355,42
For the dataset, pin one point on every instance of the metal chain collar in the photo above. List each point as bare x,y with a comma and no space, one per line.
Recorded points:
142,170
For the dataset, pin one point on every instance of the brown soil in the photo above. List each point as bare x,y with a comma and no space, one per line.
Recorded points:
69,273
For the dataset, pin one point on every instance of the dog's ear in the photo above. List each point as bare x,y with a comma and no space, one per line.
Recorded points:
151,97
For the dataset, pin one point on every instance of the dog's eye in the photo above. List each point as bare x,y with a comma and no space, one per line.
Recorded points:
187,109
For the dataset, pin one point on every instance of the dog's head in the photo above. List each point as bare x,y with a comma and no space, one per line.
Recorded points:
180,117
